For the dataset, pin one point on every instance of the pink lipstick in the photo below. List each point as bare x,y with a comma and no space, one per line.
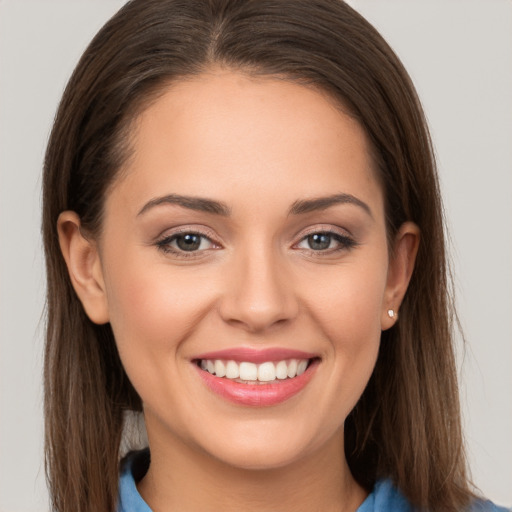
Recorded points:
252,377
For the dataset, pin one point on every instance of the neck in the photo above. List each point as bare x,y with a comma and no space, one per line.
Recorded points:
180,478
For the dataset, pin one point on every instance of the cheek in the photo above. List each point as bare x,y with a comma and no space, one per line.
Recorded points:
152,313
348,304
153,310
348,311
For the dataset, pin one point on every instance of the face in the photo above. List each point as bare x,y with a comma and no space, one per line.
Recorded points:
243,266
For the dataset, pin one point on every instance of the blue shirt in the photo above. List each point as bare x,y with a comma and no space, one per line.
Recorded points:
384,497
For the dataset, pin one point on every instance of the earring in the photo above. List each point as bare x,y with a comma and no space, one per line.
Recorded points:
391,313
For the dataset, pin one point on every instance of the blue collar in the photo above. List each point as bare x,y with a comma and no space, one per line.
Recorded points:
385,497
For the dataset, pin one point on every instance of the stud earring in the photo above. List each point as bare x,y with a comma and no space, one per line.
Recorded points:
391,313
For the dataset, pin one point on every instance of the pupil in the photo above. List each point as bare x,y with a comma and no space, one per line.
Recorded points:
319,241
188,242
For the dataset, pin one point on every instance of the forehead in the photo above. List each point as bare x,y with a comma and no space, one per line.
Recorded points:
222,130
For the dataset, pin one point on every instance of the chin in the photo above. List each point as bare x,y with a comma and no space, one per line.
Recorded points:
265,448
255,458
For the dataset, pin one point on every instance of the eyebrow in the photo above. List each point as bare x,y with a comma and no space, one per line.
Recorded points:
302,206
322,203
200,204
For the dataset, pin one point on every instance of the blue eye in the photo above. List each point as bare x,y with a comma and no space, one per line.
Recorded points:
326,241
319,241
189,242
185,243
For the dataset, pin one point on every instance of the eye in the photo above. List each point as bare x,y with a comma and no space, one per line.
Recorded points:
326,241
186,242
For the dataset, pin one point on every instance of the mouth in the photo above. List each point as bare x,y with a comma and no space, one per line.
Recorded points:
256,378
246,372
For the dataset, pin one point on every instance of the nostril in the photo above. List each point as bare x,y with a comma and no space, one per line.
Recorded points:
258,317
258,293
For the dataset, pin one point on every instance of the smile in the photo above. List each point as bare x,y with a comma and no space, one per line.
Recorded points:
251,373
256,378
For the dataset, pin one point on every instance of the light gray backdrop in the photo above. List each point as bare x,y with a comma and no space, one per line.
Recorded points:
459,54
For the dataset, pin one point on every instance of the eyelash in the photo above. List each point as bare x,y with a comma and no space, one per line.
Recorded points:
164,244
345,242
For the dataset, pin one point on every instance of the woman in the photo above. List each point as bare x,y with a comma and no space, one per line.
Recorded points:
244,241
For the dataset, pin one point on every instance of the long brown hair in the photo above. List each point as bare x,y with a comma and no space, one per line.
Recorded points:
406,426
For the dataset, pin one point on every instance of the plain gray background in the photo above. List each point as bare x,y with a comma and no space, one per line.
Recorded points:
459,53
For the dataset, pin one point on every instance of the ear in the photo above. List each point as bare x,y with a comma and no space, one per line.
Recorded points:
401,265
84,267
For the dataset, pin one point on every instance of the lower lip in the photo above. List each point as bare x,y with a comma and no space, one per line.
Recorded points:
258,395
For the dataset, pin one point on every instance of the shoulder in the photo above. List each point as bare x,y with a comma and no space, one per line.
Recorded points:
385,497
487,506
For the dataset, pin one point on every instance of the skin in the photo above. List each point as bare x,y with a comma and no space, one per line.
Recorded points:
258,145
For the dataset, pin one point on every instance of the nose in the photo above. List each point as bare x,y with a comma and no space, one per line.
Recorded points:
259,294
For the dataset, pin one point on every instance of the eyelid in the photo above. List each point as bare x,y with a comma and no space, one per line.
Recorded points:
192,229
324,228
167,236
345,238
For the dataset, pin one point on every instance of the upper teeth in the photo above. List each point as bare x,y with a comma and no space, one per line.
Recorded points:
264,372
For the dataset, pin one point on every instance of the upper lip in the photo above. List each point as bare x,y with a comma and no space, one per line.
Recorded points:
252,355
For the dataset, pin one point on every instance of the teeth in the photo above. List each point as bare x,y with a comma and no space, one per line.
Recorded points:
250,372
281,370
292,368
266,372
232,370
301,367
220,368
